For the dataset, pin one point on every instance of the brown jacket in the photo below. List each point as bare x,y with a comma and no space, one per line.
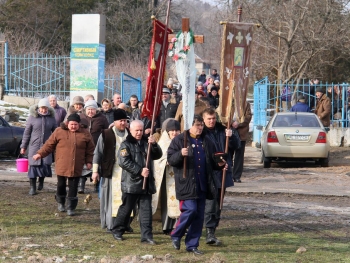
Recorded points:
95,124
323,110
199,107
73,150
243,128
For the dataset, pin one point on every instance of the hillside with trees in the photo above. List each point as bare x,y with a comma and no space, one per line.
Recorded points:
296,39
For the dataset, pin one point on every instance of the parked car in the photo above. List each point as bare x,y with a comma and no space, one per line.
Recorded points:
296,136
10,137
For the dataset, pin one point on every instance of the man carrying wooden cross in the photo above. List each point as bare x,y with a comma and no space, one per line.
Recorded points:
192,189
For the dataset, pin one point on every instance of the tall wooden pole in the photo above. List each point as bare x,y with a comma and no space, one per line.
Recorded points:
223,180
158,87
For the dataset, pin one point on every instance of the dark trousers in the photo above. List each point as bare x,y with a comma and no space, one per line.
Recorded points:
72,186
129,201
238,162
191,218
212,211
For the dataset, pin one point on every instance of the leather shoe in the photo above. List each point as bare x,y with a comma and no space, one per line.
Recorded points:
118,237
195,251
148,241
129,229
176,244
237,180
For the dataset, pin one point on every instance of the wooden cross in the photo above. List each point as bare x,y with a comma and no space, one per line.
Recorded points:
186,28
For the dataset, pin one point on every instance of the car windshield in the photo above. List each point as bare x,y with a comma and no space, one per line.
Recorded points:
295,120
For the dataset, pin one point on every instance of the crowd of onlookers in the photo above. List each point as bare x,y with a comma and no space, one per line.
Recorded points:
336,97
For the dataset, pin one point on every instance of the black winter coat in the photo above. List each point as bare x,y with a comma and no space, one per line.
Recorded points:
132,159
218,137
167,112
186,187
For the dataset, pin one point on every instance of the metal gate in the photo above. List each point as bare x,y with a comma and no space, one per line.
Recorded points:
39,75
270,97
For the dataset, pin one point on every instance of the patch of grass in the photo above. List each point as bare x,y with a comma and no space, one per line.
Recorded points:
32,224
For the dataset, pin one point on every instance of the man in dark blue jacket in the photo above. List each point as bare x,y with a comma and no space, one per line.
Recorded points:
217,133
301,106
196,185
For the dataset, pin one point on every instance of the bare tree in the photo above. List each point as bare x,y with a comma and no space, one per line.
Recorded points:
298,38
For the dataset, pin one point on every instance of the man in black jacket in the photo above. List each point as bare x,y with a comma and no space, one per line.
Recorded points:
168,107
217,133
132,159
197,185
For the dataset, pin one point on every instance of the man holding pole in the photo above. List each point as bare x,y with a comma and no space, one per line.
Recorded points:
219,134
193,184
132,159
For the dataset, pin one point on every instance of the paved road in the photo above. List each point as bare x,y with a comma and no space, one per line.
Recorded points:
305,179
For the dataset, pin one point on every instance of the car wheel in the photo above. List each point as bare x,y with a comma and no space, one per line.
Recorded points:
266,161
324,162
261,157
18,150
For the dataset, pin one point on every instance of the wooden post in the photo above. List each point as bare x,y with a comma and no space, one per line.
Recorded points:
186,28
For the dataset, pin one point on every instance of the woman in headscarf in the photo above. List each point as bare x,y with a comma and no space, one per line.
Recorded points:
107,110
39,126
165,198
76,107
74,149
96,122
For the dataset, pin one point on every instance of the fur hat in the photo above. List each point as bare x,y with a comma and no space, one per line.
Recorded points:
78,100
73,117
91,104
120,114
172,125
199,83
44,103
216,81
214,88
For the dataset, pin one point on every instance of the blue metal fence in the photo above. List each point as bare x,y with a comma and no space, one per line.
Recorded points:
125,85
39,75
270,96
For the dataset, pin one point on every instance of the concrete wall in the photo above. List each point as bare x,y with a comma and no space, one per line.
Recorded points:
21,101
339,137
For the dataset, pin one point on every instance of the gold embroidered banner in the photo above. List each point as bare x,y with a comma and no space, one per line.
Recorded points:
235,67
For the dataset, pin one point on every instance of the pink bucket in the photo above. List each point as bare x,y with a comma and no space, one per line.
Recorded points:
22,165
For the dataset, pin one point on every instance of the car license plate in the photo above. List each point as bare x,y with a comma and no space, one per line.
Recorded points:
295,137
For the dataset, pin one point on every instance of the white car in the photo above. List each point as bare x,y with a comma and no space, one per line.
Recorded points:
296,136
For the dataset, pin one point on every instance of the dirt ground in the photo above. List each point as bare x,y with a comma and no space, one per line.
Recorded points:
314,204
306,176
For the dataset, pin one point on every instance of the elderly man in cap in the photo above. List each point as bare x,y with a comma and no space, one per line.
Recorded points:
301,106
74,149
168,107
96,122
107,170
323,107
